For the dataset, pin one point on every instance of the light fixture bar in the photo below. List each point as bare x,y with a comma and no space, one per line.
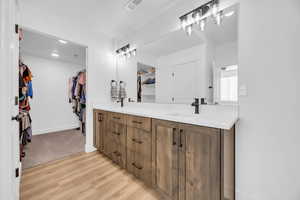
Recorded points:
200,14
126,51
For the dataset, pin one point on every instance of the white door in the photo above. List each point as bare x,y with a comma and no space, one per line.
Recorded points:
184,82
9,137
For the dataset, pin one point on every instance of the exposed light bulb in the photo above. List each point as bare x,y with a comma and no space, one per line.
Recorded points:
183,23
229,14
134,52
63,41
56,55
128,55
219,18
197,17
189,30
214,9
202,24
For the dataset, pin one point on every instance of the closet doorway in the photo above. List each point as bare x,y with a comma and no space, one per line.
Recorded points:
52,97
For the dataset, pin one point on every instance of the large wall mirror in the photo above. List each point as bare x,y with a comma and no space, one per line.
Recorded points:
178,67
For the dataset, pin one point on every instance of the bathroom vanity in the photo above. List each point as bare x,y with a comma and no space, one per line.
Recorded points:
182,155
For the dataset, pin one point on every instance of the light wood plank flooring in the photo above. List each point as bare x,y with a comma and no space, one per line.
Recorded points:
85,176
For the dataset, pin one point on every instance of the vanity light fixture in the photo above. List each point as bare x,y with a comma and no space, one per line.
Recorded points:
199,16
126,51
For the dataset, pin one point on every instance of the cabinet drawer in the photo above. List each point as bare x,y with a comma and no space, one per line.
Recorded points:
139,141
139,122
117,117
139,166
117,133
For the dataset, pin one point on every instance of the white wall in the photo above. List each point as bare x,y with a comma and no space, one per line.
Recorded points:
50,109
101,65
268,135
226,54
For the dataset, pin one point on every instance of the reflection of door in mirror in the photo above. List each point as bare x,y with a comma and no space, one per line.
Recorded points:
227,84
145,83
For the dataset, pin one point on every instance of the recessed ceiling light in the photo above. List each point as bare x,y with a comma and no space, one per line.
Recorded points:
63,41
54,55
229,14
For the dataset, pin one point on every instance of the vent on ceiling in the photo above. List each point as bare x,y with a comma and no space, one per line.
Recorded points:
132,4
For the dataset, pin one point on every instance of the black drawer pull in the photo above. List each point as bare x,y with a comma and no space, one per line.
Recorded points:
118,118
137,141
139,168
174,139
180,138
136,122
100,119
117,153
116,133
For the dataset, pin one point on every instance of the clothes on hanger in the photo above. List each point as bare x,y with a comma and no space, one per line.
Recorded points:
77,96
25,93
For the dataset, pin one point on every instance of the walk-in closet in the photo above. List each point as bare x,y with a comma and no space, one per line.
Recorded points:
52,97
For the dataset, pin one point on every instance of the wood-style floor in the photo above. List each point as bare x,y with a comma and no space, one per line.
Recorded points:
88,176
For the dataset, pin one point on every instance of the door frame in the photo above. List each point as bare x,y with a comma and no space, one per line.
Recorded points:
9,144
50,35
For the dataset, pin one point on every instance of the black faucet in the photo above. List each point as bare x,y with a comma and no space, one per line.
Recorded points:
196,104
122,101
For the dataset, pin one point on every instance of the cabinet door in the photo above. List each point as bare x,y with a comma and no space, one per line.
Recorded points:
99,129
139,153
166,158
199,161
118,143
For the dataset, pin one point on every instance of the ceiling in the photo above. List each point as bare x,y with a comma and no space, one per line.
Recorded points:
175,41
43,45
101,16
179,40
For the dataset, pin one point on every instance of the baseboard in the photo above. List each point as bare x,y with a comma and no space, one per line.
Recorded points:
55,129
89,148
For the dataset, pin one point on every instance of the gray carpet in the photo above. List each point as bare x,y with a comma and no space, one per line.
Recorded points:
52,146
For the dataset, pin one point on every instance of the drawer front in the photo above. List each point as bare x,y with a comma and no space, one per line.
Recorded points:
139,141
139,166
118,143
139,122
117,117
139,153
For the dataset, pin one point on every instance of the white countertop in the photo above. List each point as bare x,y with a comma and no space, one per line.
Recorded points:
215,116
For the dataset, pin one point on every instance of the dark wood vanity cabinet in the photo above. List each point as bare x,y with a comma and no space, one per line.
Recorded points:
199,163
188,162
181,161
165,158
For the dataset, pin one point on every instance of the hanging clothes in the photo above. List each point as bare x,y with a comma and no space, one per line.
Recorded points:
25,91
77,96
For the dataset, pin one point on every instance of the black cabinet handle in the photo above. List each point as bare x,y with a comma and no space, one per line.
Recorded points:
116,133
137,141
180,138
118,118
174,139
117,153
136,122
139,168
100,119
